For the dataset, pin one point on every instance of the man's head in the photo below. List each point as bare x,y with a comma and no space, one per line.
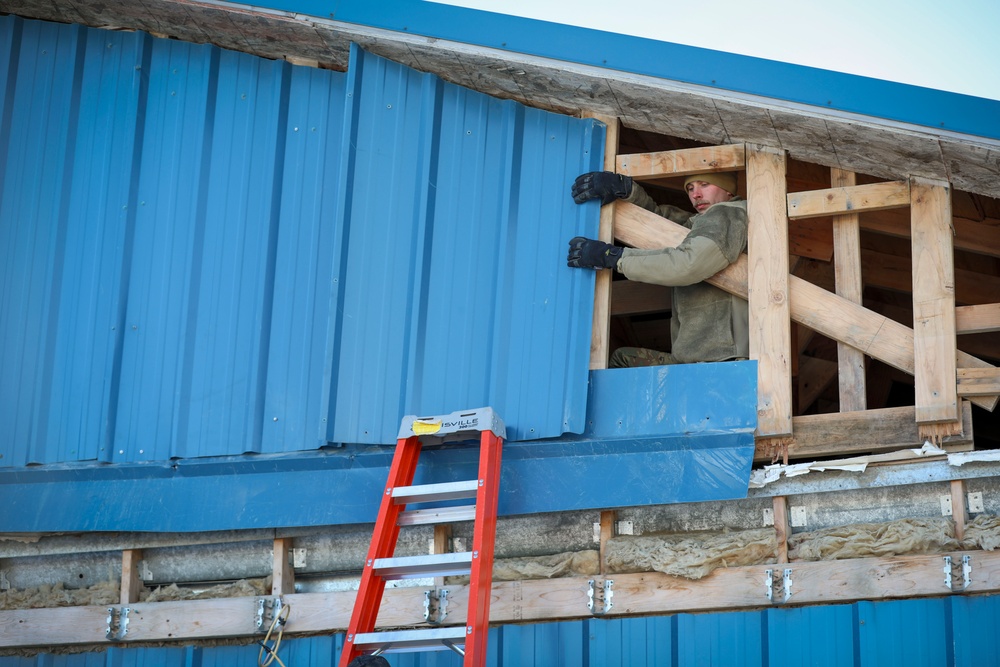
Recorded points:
706,189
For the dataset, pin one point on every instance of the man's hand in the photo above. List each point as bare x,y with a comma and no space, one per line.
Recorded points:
587,254
604,185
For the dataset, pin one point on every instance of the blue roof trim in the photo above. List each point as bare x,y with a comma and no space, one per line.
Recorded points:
705,67
696,444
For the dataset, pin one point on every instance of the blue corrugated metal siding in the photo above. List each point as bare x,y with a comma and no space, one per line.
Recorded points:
206,253
452,285
899,633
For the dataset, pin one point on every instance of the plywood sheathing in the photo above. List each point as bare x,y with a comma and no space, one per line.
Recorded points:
709,115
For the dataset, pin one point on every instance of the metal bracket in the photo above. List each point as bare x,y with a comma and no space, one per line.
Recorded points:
436,605
786,580
266,613
769,585
966,574
603,594
117,624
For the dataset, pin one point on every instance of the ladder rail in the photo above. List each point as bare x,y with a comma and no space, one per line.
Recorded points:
469,640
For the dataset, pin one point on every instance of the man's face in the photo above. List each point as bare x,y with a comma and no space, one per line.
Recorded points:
703,195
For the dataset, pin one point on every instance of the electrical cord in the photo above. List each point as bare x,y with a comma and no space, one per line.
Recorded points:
269,654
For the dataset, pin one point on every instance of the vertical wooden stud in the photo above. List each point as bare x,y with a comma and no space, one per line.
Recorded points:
934,330
282,574
847,268
782,528
131,577
958,511
770,328
608,518
600,338
442,543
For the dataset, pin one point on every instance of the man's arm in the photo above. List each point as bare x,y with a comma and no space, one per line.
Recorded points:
639,197
717,237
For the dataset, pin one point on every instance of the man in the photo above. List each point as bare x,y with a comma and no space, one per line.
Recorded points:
706,323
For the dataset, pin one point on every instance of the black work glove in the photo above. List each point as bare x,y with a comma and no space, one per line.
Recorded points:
588,254
604,185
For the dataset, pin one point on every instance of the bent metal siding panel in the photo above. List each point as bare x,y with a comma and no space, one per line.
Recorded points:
453,291
199,258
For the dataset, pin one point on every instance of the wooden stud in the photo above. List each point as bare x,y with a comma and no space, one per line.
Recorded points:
847,269
608,518
442,545
770,329
934,340
958,512
600,341
782,528
282,574
683,162
848,198
131,576
811,305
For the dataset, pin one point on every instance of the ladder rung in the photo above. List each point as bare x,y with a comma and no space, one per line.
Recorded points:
426,493
399,641
437,515
435,565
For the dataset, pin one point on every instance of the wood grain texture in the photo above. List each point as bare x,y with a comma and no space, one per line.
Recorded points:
933,267
600,341
683,162
847,272
810,305
850,198
767,289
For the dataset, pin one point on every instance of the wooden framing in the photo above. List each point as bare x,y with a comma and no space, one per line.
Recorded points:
977,319
934,340
131,576
816,308
867,431
848,198
847,274
282,574
767,288
642,593
683,162
600,338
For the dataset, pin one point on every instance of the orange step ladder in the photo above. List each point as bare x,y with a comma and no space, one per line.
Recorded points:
415,433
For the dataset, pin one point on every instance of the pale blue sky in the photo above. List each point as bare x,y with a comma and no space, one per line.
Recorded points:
948,46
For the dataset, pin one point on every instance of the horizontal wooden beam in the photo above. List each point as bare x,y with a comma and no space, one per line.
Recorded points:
820,310
970,235
539,600
984,318
848,199
683,162
863,432
978,381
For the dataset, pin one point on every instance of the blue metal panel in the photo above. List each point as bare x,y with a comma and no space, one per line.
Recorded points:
975,624
905,632
733,639
704,67
201,257
452,288
814,636
698,462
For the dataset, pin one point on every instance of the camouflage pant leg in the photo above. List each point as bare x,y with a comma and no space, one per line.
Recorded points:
630,357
